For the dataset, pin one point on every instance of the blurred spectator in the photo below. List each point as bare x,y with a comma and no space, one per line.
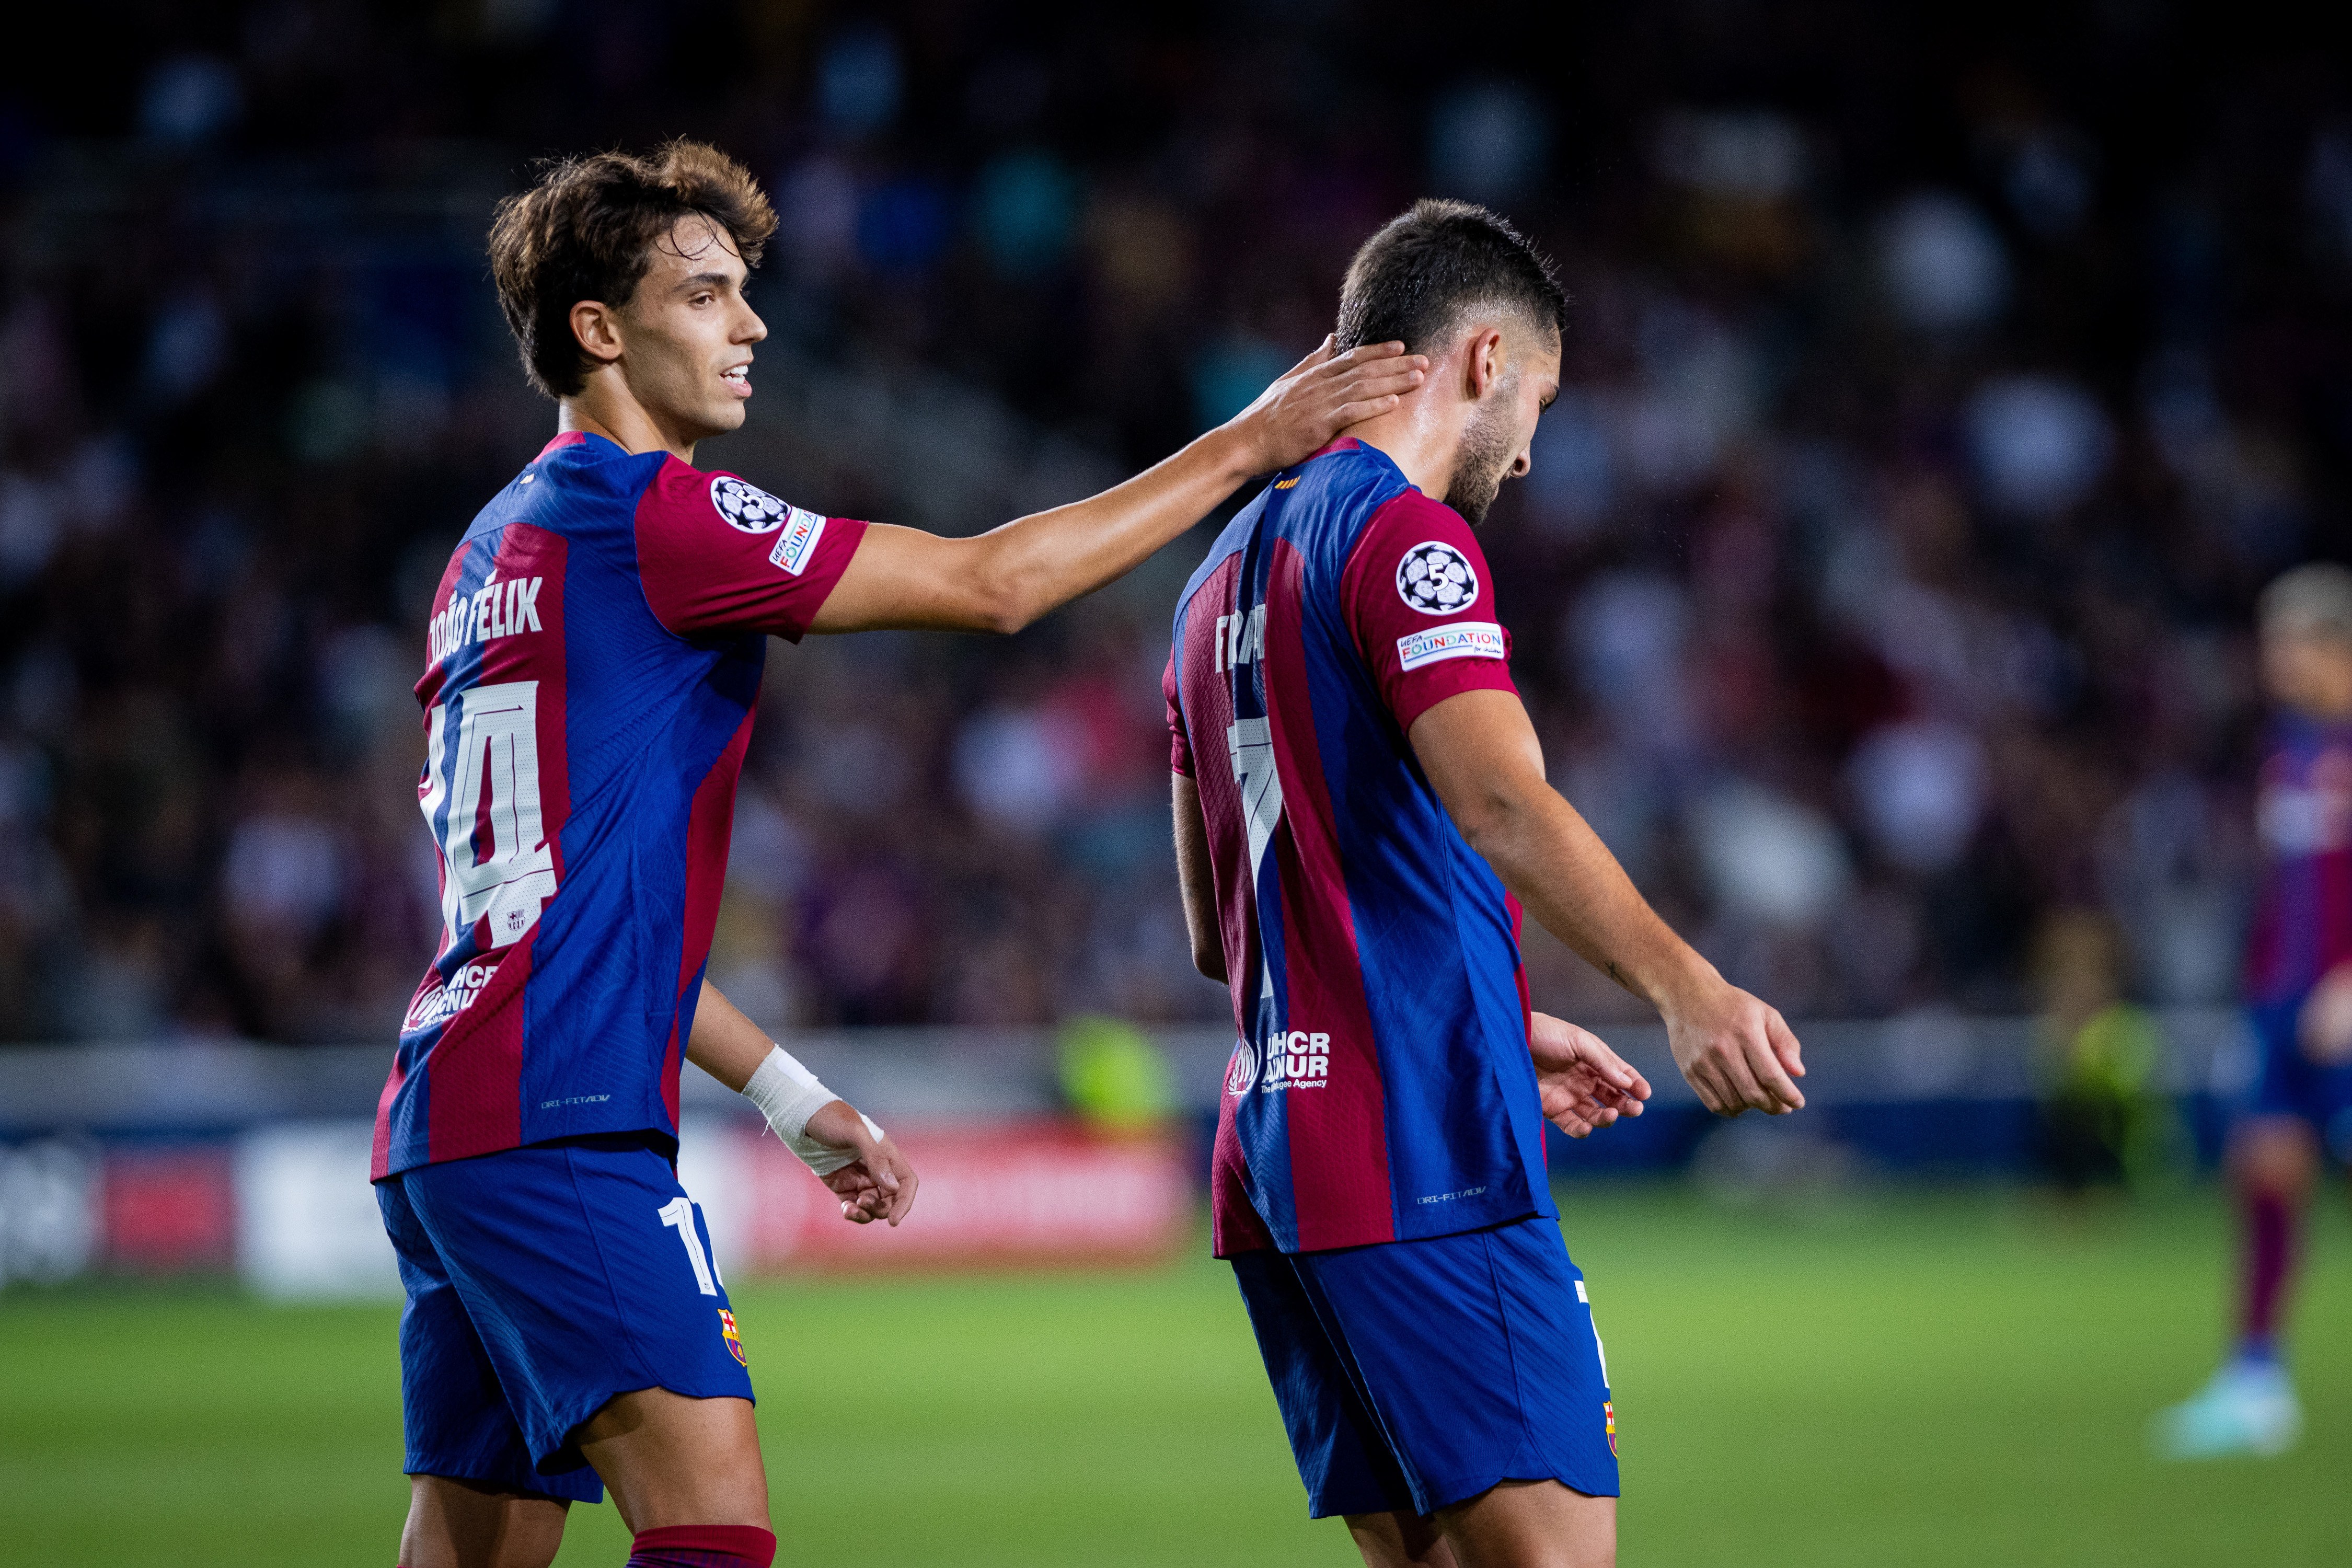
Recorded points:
2105,1119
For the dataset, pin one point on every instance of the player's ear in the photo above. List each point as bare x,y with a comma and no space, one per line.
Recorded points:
1486,362
598,330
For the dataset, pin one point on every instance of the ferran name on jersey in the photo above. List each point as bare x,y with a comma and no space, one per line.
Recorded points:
1460,640
1240,639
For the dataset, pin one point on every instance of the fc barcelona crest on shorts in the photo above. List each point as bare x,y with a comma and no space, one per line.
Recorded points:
735,1346
1608,1407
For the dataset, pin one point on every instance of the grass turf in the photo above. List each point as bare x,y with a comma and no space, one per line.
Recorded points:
1934,1379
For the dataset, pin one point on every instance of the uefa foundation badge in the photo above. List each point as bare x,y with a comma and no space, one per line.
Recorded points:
734,1339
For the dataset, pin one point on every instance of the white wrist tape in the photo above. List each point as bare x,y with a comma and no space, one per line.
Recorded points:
788,1094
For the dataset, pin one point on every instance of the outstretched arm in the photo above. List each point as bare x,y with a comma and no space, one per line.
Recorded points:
1482,757
1003,580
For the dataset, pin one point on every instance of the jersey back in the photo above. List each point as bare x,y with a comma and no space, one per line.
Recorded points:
595,650
1380,1087
2303,919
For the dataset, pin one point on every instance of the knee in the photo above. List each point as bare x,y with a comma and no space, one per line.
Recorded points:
2275,1162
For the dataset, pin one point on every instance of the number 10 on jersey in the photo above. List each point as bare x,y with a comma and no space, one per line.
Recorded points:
495,857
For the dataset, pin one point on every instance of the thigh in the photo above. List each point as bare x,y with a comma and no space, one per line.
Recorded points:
1395,1539
461,1524
458,1420
1478,1357
2287,1083
1532,1524
2275,1155
588,1272
1342,1456
673,1460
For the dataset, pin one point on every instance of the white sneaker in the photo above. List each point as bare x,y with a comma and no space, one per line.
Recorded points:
2249,1407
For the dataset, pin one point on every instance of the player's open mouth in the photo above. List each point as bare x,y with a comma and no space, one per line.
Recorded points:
738,378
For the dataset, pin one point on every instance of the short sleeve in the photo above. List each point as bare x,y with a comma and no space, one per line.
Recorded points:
1421,606
718,554
1179,748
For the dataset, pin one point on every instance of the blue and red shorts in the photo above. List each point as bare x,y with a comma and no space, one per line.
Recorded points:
2289,1083
542,1281
1415,1374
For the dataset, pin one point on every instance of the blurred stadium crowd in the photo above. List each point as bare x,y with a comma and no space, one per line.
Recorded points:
1939,391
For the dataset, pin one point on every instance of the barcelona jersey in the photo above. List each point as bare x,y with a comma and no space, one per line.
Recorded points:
2302,921
1380,1086
590,665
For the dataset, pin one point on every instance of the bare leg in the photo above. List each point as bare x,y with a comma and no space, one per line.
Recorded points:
1399,1541
2274,1162
1532,1524
456,1524
667,1460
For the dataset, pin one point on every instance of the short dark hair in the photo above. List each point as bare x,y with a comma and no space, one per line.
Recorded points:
586,231
1413,279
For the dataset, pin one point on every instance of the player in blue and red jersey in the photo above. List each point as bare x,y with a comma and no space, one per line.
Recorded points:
592,663
1361,815
2298,1005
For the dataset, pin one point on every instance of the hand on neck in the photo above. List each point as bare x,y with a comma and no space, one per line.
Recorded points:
1423,435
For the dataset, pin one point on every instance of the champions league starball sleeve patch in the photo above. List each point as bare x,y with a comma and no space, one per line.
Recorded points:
1436,579
1433,637
746,507
767,570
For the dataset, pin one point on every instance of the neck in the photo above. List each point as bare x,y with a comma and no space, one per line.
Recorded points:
1422,438
607,408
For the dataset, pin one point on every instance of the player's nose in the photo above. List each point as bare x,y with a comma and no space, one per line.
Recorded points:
752,330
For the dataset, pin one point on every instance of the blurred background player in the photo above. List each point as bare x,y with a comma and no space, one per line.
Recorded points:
1360,807
2299,1004
594,655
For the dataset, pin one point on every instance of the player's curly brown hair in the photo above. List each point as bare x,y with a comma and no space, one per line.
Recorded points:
587,229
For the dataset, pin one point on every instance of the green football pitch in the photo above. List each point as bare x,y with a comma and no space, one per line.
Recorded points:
1929,1379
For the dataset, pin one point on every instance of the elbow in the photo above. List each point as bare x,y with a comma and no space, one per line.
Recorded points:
1000,598
1210,962
1002,614
1489,822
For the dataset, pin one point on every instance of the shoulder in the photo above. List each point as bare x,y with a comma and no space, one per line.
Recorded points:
1425,549
713,497
1348,474
1231,541
578,481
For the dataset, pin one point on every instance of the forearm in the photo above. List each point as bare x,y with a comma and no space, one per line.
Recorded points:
1481,755
1573,887
1003,580
1037,563
1195,878
724,1043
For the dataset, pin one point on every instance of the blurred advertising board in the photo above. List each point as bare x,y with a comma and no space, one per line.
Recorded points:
1033,1191
224,1158
288,1208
